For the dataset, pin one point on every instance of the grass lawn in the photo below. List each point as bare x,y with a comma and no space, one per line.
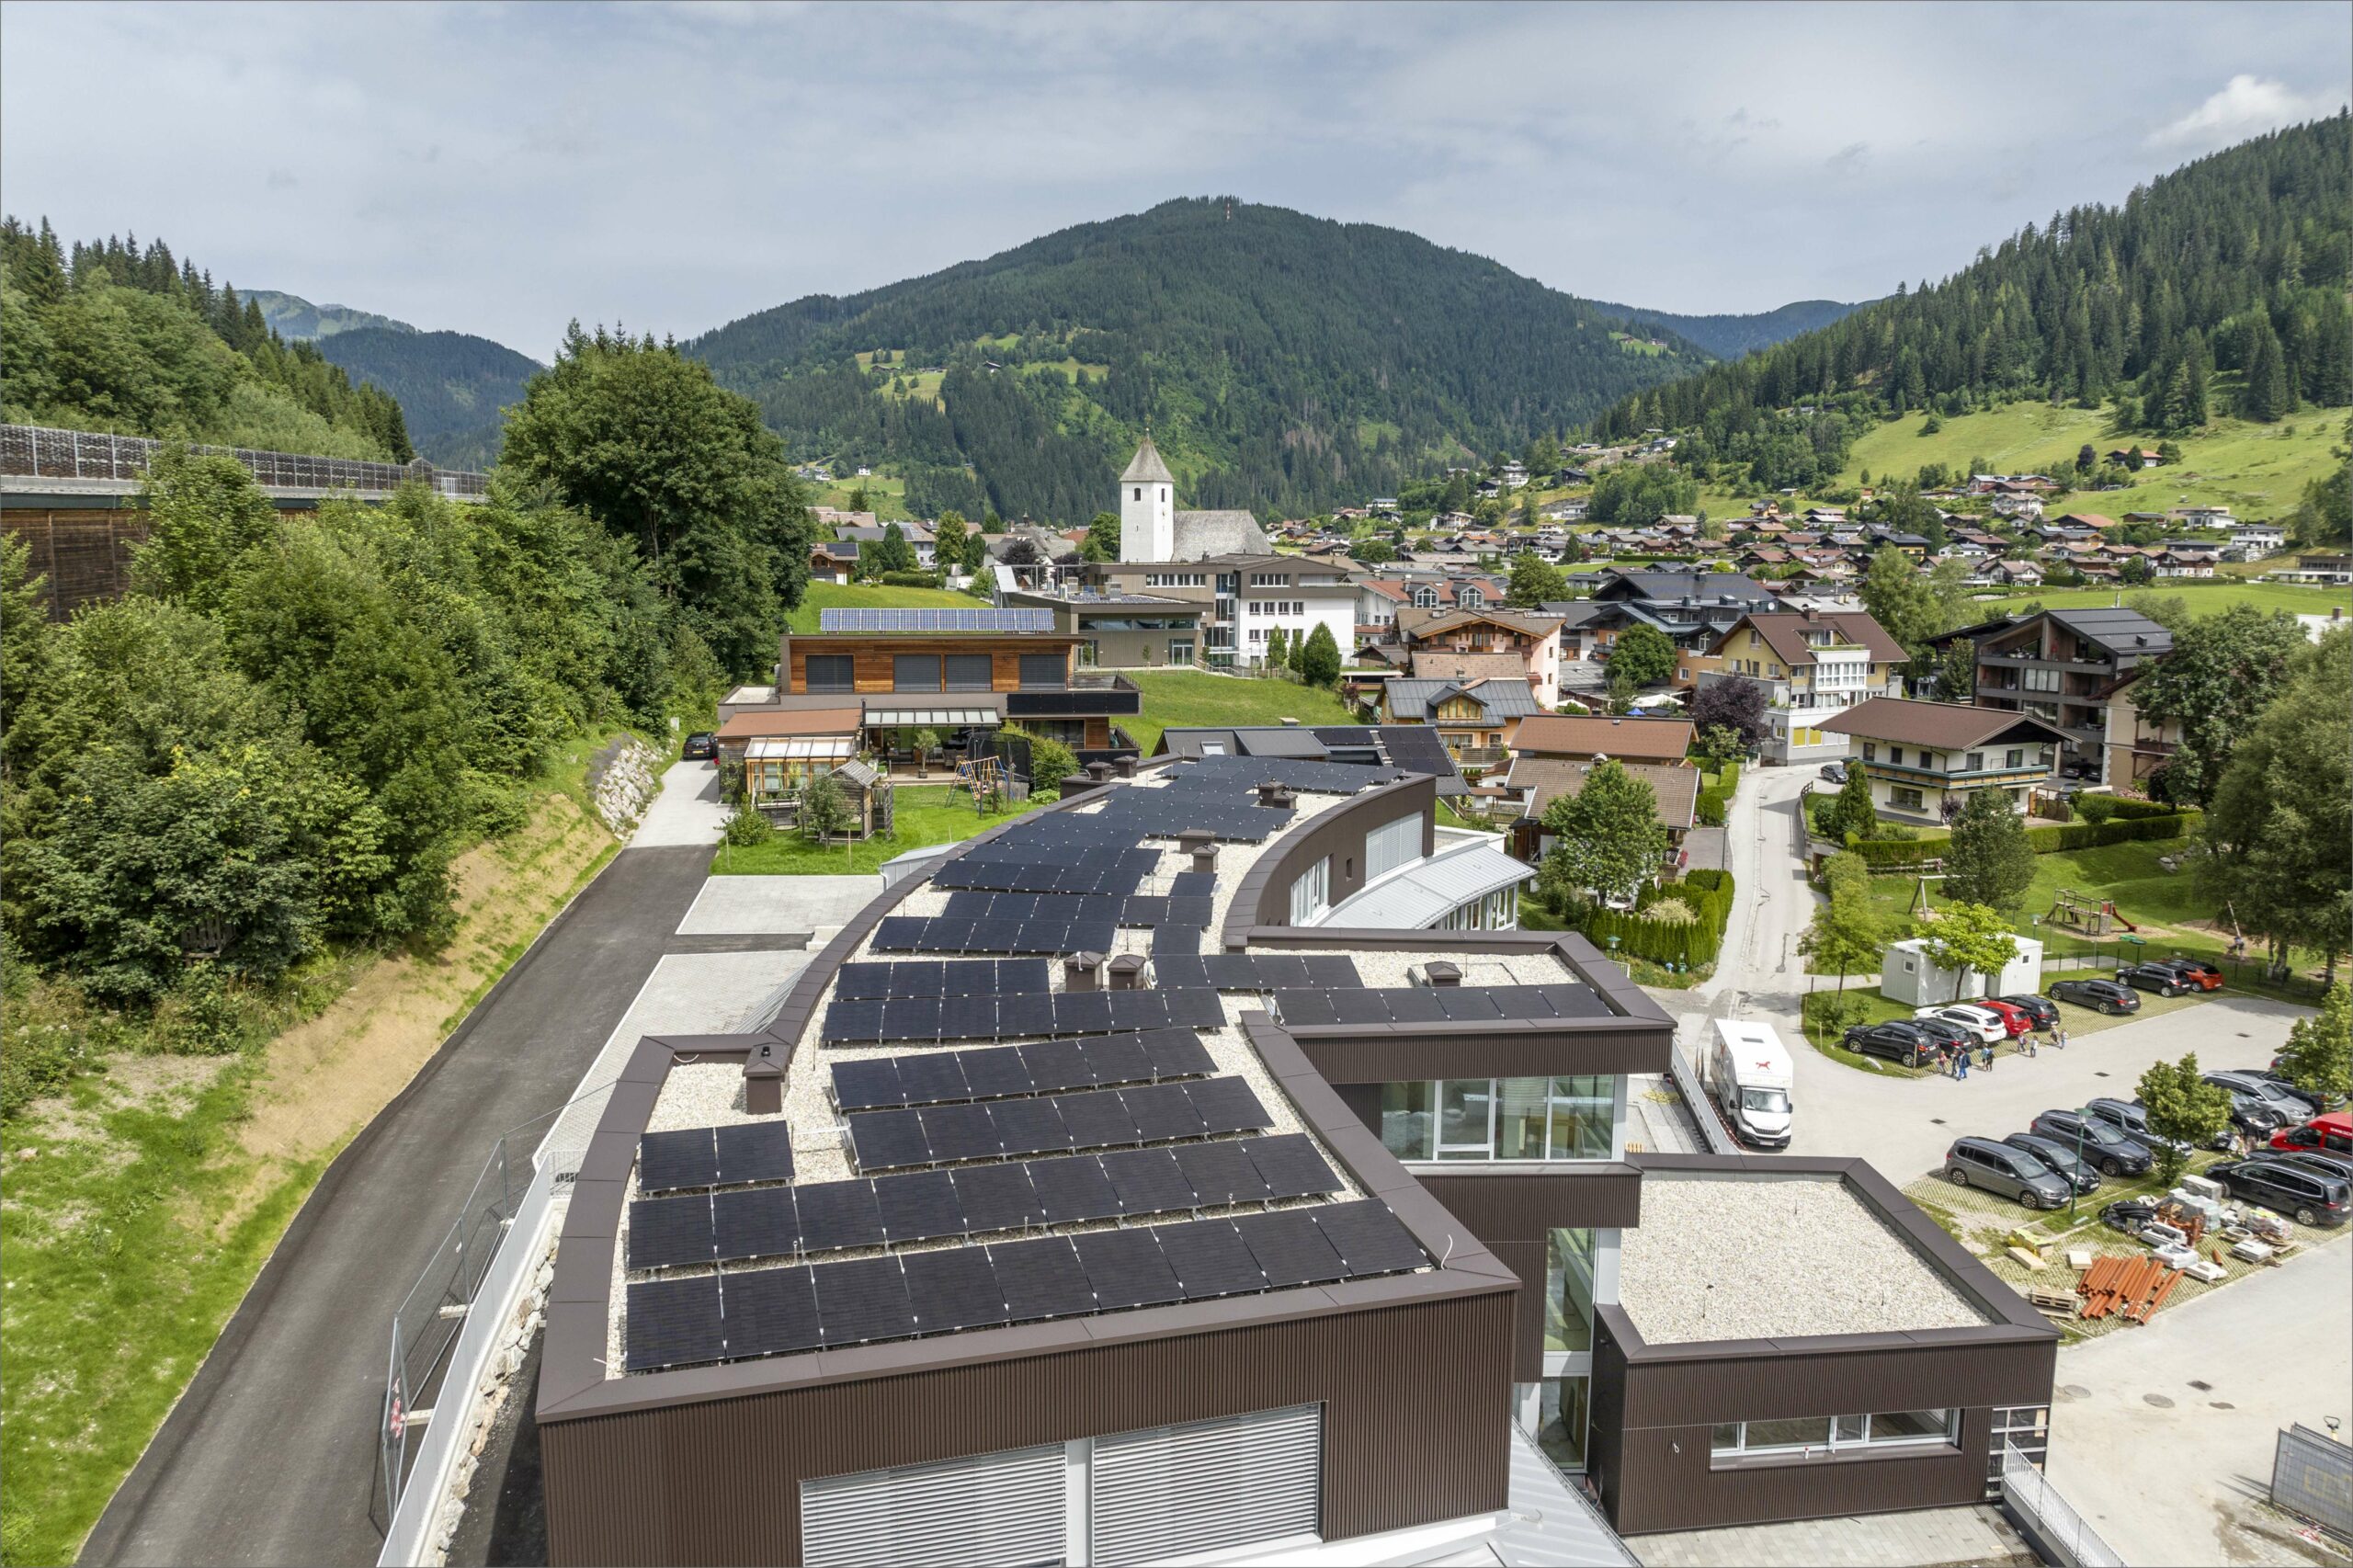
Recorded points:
2207,597
1176,699
926,814
864,595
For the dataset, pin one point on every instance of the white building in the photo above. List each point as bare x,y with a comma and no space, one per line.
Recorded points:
1152,529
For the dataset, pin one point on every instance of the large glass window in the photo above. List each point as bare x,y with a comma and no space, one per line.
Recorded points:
1044,669
1812,1436
1310,891
1562,1413
1406,1123
1568,1289
1583,1110
1463,1118
968,672
1520,1118
914,672
1501,1119
832,672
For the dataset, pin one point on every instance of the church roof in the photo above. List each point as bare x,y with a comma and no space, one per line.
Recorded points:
1146,467
1203,534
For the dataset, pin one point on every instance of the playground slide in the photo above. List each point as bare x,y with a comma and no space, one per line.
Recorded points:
2113,914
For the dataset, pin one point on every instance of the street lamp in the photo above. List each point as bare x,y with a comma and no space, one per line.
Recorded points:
2083,1117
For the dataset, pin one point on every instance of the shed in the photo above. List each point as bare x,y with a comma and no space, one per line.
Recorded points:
1907,976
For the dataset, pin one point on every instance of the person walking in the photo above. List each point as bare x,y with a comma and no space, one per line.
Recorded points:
2062,1036
1961,1066
1987,1058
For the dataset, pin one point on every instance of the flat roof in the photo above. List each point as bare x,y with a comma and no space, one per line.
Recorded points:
1807,1256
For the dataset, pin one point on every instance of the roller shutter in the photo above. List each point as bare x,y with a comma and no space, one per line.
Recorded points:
1174,1491
1000,1509
1393,844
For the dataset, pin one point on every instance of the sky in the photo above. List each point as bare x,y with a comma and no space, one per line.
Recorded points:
502,169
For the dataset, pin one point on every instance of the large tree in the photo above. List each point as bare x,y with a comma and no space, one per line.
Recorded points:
1988,860
2221,674
640,436
1737,703
1846,934
1970,939
2185,1111
1534,581
1641,655
2319,1052
1608,836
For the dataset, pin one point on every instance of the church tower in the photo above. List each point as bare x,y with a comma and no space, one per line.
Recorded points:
1147,507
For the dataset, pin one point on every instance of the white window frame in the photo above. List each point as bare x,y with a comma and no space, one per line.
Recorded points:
1835,1441
1310,892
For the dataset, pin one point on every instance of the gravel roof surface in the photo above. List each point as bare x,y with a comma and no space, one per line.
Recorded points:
1774,1259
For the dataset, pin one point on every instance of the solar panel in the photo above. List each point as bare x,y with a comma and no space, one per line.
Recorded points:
1058,1064
997,1198
1117,1059
1357,1007
919,1206
664,1232
928,1080
673,1323
1368,1237
1180,970
762,1222
1290,1248
771,1312
1073,1189
904,618
835,1215
1290,1166
1174,938
669,1159
1148,1181
863,1085
1097,1120
863,1300
1302,1007
1465,1004
852,1023
953,1287
754,1151
959,1133
1221,1174
1211,1259
1195,1009
1178,1053
968,1017
1124,1268
995,1073
862,981
1040,1279
1029,1126
1138,1009
1025,1015
887,1139
1082,1012
1227,1105
1163,1111
910,1018
1332,970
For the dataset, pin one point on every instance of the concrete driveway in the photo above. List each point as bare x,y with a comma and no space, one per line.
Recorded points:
2162,1436
688,811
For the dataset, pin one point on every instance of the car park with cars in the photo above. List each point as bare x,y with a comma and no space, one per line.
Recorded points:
2103,996
2058,1158
1907,1045
2305,1196
1996,1167
2154,977
1987,1026
2111,1152
2132,1118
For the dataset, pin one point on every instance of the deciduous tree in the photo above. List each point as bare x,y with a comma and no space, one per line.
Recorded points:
1970,939
2222,672
2184,1110
1608,836
2319,1052
1736,703
1643,655
1989,860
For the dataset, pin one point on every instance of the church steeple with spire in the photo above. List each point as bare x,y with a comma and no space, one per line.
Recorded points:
1147,507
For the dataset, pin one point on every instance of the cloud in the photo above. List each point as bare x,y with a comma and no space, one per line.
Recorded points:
1849,160
2247,106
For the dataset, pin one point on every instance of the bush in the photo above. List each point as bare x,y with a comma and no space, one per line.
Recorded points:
2094,809
1051,762
911,579
1712,808
747,826
1683,925
1673,911
201,1017
1896,845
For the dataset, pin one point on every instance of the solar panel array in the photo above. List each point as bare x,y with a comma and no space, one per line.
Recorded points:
1001,1071
915,1020
713,1157
1221,774
1237,971
1430,1005
1136,911
936,977
769,1312
882,619
919,1207
918,934
1095,1118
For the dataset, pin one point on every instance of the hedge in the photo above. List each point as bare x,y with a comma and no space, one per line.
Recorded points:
1712,807
911,579
1708,892
2120,829
2130,806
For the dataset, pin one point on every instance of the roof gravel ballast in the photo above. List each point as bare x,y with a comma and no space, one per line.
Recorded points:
1782,1258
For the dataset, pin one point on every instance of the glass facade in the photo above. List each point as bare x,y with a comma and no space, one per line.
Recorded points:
1500,1119
1568,1289
1563,1406
1816,1436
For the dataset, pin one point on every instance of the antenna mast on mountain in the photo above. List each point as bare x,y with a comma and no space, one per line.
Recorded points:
1229,210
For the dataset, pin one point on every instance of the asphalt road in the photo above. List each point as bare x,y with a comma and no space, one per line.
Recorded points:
271,1455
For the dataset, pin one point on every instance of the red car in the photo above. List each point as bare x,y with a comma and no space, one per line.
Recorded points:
2013,1019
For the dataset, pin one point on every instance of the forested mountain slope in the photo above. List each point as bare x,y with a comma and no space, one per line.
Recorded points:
2220,288
1730,337
111,336
293,316
1284,363
451,385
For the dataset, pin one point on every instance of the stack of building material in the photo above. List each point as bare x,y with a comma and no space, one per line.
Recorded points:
2134,1286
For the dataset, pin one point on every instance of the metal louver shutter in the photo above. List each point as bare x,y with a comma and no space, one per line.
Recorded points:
1002,1509
1173,1491
1393,844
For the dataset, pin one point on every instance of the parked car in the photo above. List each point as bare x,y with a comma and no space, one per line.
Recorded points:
2292,1108
2114,1154
2319,1101
2016,1019
2044,1013
2132,1118
1834,771
1944,1031
2309,1198
1986,1027
2058,1158
2105,995
2332,1132
2153,977
2196,972
701,747
1994,1166
2313,1160
2256,1117
1907,1045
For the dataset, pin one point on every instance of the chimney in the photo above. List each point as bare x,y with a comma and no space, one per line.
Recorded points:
764,1081
1201,845
1127,972
1441,973
1079,971
1098,772
1274,794
1125,766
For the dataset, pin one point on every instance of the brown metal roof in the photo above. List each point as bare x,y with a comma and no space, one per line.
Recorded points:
1560,734
1548,778
1785,635
1948,726
754,722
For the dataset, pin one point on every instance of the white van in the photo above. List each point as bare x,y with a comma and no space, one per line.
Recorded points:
1751,1076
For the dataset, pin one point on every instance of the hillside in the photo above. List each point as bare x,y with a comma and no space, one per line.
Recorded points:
115,336
2217,289
450,385
1729,338
1283,362
294,317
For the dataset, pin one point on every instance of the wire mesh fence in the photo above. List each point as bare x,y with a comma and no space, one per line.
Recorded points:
2311,1477
41,452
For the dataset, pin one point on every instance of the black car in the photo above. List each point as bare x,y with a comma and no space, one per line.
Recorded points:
2273,1073
2111,1152
1908,1045
2308,1196
2154,977
1834,771
2039,1008
2313,1160
701,747
1944,1031
2058,1158
2132,1118
2105,995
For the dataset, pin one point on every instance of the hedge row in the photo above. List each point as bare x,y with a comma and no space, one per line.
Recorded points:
1713,803
2120,829
2130,806
1689,944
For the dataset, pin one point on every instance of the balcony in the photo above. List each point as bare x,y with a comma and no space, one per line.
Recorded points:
1904,773
1086,697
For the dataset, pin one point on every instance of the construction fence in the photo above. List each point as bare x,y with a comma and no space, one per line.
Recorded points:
2311,1477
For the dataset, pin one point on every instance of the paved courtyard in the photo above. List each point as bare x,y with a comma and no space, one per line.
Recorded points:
1926,1537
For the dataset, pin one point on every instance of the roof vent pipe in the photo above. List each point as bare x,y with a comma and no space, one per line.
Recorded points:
1442,974
1125,766
1098,772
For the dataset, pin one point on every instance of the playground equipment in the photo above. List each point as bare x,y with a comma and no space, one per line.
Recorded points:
2087,913
985,777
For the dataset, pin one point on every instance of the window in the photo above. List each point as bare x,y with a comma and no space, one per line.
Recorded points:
2014,757
1904,800
970,672
1269,579
1561,1412
1405,1118
1139,491
1816,1437
1310,892
1392,844
1044,669
831,672
1974,762
1870,751
914,672
1504,1119
1895,755
1568,1289
1180,649
2040,681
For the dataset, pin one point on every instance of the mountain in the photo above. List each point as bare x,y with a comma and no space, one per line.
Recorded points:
1282,362
450,385
1729,338
2220,286
295,318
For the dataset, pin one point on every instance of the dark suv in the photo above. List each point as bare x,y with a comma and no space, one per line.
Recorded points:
2059,1157
2039,1008
1908,1045
2313,1199
2103,994
2111,1152
2196,974
2132,1118
701,747
2154,977
1998,1167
